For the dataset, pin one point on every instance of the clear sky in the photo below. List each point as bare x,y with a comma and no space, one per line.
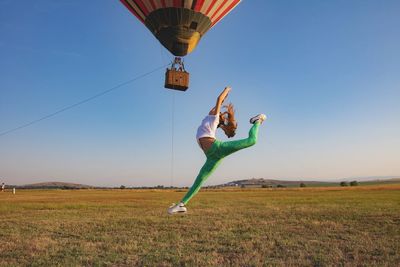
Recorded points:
326,73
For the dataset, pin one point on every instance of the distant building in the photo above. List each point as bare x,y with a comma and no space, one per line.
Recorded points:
231,184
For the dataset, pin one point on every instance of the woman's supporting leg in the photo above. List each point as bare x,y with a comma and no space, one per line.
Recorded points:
205,172
227,148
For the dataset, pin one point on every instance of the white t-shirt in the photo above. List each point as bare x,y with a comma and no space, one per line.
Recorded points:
208,127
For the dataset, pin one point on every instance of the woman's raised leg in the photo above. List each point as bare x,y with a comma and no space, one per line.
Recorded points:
227,148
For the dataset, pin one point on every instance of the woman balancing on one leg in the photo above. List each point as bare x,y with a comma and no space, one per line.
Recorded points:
216,150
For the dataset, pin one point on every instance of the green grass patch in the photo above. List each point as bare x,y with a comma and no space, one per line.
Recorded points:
307,226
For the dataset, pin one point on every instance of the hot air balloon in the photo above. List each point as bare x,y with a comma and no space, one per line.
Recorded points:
179,26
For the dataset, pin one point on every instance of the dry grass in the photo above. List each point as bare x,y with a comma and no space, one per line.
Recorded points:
256,227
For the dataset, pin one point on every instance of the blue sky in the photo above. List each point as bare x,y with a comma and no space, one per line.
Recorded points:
326,73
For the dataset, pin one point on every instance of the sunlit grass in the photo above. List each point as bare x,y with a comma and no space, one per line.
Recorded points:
307,226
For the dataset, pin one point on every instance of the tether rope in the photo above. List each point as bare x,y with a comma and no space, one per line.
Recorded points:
81,102
163,59
172,138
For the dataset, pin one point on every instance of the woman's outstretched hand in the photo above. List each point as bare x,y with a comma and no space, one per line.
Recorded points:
224,94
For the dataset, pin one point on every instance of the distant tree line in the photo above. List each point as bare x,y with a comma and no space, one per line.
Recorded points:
352,183
150,187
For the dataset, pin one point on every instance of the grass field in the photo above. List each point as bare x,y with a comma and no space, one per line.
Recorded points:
250,227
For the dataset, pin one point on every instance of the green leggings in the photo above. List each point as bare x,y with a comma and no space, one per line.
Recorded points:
215,154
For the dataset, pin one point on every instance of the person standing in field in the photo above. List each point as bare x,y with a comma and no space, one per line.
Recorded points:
3,187
214,149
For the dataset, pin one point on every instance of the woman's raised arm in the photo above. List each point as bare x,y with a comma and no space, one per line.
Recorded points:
221,98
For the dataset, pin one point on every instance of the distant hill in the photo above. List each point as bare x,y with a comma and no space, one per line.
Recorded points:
381,181
54,185
258,182
371,178
261,182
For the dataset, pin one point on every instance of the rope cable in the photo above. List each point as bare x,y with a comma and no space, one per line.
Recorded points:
80,102
172,138
163,59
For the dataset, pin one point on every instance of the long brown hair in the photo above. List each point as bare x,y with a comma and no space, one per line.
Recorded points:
227,121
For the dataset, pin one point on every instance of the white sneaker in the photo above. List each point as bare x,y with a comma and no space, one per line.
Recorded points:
259,117
177,208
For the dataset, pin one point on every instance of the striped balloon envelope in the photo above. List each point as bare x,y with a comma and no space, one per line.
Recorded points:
180,24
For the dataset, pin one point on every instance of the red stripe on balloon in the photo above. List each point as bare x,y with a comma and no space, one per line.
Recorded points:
227,10
177,3
199,5
153,5
210,7
142,7
163,3
128,6
218,9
